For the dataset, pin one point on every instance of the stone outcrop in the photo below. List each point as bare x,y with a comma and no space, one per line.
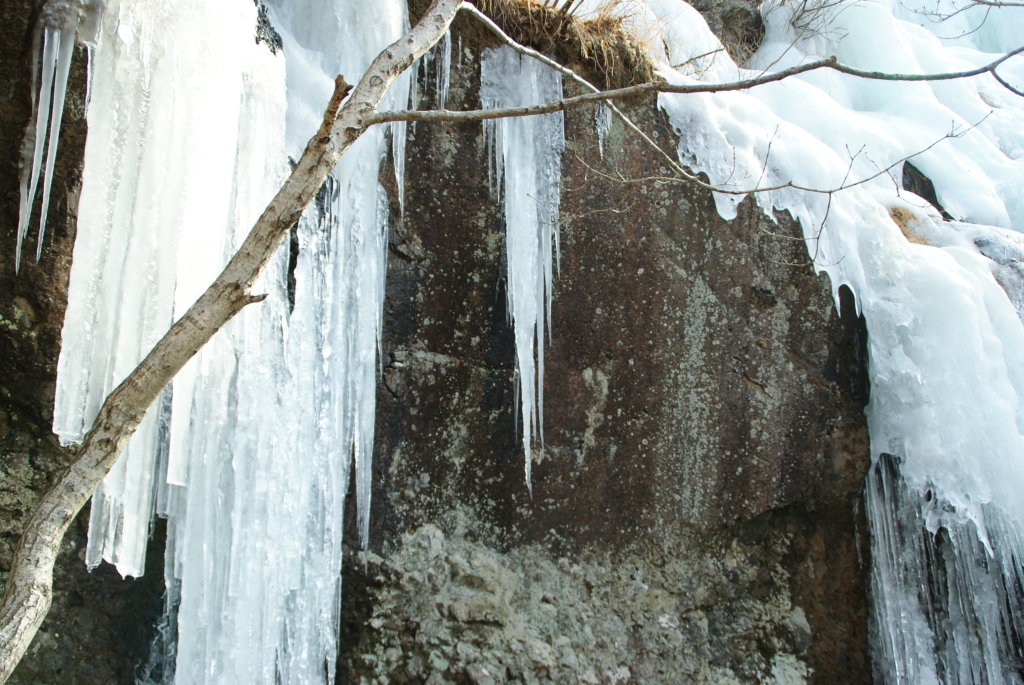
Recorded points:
694,510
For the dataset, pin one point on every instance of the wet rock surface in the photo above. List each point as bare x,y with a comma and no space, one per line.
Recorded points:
99,626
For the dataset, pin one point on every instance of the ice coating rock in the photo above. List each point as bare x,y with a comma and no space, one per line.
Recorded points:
526,169
946,344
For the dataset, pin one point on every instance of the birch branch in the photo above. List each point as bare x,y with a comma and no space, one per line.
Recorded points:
27,595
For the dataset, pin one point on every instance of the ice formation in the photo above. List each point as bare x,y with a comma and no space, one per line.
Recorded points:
440,56
61,24
248,454
526,162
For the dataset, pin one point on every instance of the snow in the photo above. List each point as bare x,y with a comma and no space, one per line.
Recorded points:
526,160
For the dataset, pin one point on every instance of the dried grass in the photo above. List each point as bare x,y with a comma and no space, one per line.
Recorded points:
601,44
907,222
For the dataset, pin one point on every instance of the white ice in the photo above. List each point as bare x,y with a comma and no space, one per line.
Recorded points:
526,159
190,129
61,23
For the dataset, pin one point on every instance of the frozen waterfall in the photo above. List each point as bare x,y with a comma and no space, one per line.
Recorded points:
248,455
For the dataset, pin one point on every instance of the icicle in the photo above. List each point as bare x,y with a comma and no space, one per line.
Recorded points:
527,157
32,153
60,22
946,591
65,50
89,69
443,68
602,124
267,427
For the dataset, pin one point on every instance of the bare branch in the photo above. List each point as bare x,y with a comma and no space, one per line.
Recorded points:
845,185
997,3
1006,85
26,597
663,87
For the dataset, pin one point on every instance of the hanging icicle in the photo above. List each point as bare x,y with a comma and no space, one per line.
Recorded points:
526,159
250,453
53,46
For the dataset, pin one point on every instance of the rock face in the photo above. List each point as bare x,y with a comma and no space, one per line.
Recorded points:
694,514
100,626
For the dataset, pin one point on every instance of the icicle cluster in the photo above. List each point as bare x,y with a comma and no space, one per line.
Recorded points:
166,186
61,23
526,159
249,453
949,599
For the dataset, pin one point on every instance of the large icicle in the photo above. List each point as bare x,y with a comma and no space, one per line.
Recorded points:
61,22
277,422
526,163
156,163
249,456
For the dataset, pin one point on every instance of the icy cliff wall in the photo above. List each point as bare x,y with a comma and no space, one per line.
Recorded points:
681,452
628,418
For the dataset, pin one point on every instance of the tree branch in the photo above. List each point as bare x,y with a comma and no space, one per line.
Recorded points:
27,595
663,87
